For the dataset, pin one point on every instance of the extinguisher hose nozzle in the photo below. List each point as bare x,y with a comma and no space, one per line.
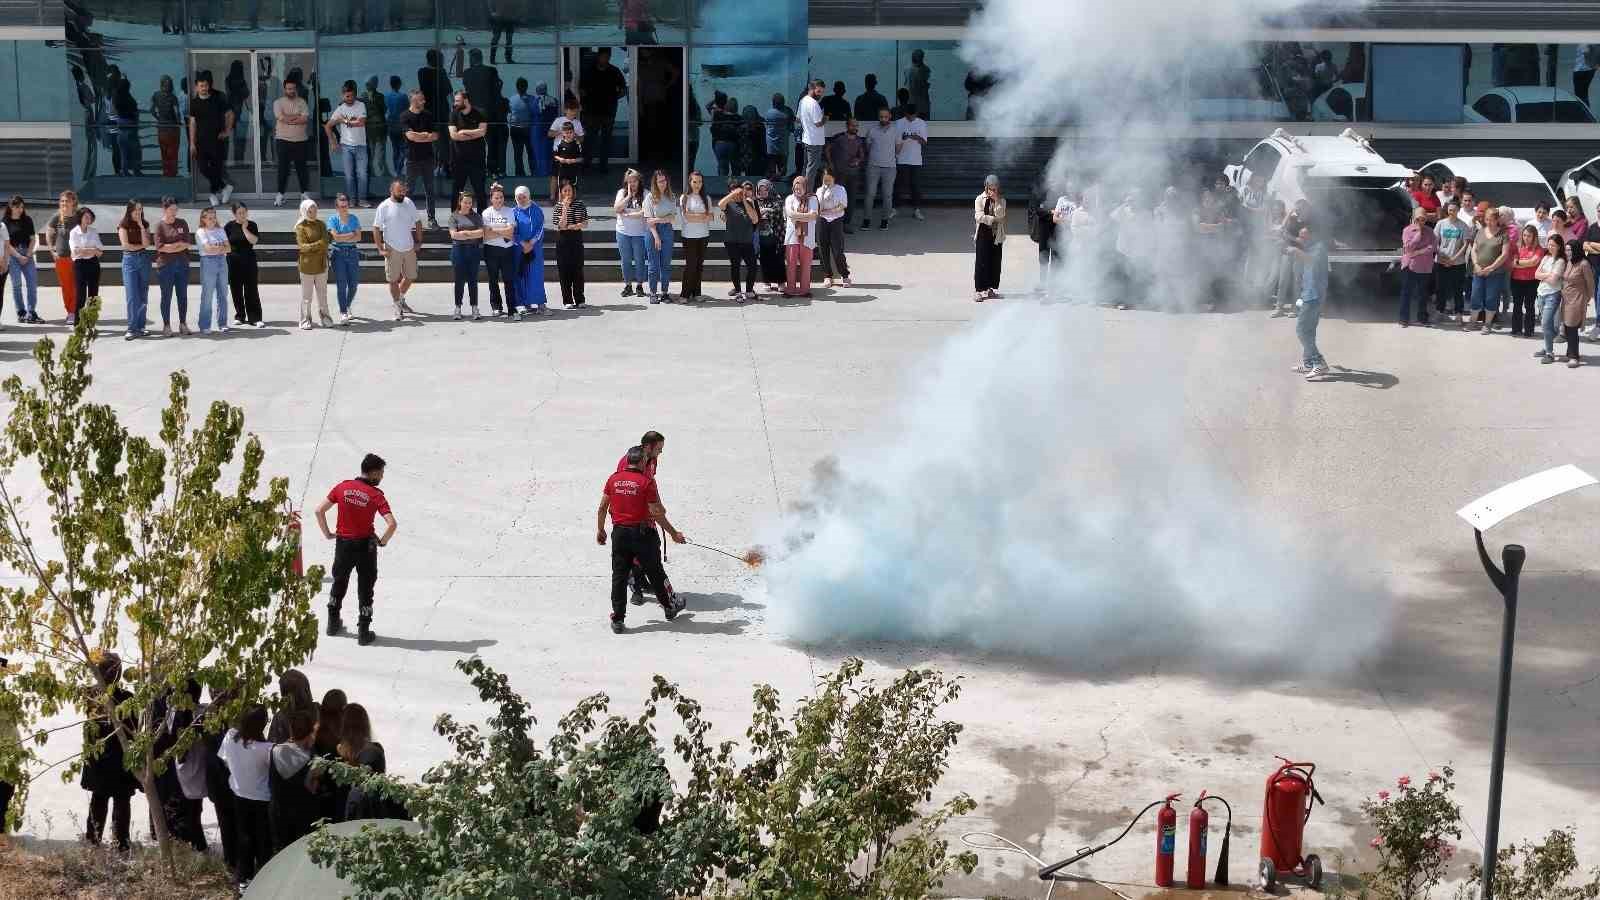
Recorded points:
1227,834
1048,872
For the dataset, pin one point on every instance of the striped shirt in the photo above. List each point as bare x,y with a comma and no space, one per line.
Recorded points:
574,213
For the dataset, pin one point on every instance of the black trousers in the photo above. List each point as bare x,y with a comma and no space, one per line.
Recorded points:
224,802
908,183
294,153
1522,315
244,283
209,157
190,828
598,130
253,818
630,542
772,270
500,264
360,554
694,265
421,170
830,244
86,272
463,171
7,790
742,252
986,268
569,265
1451,281
121,817
1571,332
522,148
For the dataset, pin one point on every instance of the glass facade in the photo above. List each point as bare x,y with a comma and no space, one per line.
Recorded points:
25,97
515,59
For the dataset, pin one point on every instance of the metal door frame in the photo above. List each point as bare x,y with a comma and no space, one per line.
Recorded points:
260,190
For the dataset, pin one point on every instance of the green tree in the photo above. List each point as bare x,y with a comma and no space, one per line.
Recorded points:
597,815
1542,871
152,555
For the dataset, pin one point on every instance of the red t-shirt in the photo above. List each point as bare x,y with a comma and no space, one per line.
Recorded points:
359,503
631,494
649,465
1425,199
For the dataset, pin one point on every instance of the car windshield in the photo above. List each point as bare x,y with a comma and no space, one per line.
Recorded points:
1515,194
1361,213
1567,111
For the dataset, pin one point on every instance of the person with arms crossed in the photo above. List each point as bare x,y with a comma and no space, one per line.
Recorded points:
416,123
468,127
291,114
356,542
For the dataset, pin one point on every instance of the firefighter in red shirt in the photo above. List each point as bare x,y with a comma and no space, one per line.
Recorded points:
652,443
356,541
631,498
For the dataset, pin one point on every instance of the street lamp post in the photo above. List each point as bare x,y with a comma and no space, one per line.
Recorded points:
1482,514
1505,580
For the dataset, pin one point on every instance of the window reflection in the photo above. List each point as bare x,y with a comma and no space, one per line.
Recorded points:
733,87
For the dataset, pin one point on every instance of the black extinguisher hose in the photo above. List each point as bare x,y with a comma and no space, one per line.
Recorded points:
1227,834
1046,873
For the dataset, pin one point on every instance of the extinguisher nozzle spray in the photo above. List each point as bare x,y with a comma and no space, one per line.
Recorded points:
1222,856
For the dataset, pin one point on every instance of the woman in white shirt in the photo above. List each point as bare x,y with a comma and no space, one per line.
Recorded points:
660,216
631,228
697,215
1551,275
248,753
989,213
499,258
84,242
799,238
832,203
213,243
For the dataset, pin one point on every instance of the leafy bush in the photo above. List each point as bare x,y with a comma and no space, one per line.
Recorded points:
1415,826
828,805
1542,871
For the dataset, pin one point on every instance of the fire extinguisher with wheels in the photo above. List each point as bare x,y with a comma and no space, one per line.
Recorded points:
1291,792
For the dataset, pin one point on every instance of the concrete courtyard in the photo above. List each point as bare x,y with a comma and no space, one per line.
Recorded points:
498,436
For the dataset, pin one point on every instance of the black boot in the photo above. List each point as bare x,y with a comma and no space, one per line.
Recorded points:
364,635
335,624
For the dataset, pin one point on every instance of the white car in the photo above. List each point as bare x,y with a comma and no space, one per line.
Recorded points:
1530,103
1356,192
1583,182
1499,180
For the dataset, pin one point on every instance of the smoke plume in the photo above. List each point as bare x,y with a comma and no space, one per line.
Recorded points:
1041,490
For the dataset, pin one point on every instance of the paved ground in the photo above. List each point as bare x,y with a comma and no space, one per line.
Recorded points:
498,436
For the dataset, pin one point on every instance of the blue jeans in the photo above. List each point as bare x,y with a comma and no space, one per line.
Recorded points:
213,290
1305,327
1486,293
660,260
355,179
464,259
1549,305
174,279
136,286
346,264
28,271
631,247
1413,287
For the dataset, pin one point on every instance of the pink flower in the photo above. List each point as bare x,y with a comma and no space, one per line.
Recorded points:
1448,851
1435,776
1377,842
1405,781
1383,795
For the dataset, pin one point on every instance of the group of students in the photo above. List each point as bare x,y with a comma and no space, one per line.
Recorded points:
757,222
1476,260
263,775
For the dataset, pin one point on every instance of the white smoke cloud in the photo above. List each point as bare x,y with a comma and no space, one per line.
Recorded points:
1041,491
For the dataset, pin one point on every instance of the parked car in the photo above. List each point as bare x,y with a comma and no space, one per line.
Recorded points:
1530,103
1500,180
1583,182
1358,193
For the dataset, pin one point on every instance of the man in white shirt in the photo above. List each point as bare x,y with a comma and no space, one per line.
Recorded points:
913,137
291,116
397,231
882,139
812,134
350,120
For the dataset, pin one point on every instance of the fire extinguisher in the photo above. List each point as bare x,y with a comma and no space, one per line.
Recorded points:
1199,823
1166,841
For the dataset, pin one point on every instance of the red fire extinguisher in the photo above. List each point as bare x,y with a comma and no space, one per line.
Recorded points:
1199,824
1166,841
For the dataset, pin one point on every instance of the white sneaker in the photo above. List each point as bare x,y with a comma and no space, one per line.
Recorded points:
261,324
278,201
1318,371
213,199
304,196
224,327
917,214
305,326
519,314
227,191
399,311
892,214
407,307
1594,332
1300,368
344,319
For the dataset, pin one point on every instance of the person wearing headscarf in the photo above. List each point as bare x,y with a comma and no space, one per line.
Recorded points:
989,212
312,238
529,237
769,236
